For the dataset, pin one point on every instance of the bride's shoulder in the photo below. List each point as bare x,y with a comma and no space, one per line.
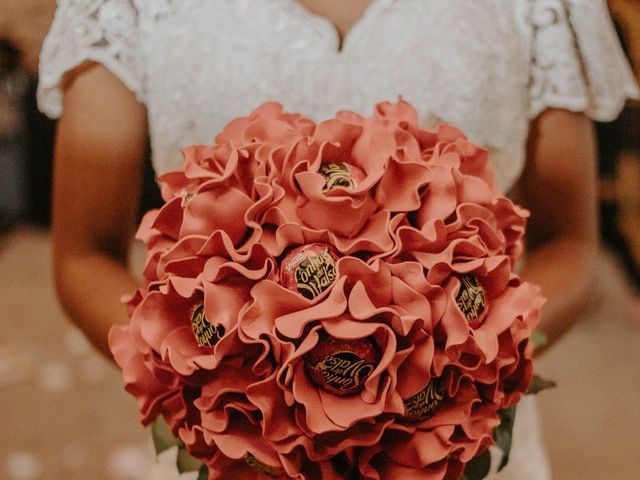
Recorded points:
576,61
99,31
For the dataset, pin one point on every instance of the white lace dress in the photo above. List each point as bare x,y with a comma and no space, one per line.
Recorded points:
488,66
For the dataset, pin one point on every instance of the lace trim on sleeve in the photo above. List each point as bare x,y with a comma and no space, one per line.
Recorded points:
103,31
576,59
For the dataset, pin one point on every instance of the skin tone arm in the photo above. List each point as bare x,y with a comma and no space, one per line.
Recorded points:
99,154
559,187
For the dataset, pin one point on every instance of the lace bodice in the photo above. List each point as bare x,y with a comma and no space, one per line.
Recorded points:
487,66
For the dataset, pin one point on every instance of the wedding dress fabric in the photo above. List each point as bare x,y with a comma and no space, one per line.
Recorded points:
487,66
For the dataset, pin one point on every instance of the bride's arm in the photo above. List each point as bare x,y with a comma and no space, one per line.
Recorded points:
99,150
559,187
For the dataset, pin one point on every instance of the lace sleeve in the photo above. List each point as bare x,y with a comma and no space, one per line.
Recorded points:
576,59
103,31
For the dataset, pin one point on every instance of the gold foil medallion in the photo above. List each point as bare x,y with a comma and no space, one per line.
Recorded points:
471,298
315,274
336,175
207,335
343,373
422,405
260,467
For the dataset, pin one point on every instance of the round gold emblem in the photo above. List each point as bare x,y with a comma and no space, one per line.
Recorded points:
336,175
207,335
422,405
471,298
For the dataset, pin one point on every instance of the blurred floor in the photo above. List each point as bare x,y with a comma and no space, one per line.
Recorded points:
64,414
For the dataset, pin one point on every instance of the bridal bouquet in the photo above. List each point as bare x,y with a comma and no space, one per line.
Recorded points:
331,301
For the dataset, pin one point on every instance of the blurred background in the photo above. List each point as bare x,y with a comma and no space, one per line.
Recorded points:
63,412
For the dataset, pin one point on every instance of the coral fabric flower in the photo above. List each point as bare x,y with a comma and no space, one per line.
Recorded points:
324,301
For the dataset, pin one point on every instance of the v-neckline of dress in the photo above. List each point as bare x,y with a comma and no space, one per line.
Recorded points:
340,45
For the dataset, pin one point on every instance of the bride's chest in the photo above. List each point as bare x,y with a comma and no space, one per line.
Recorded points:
207,62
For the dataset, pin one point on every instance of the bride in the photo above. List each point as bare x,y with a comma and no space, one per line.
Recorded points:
522,77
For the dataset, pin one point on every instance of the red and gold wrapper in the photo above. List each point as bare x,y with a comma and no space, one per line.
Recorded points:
342,175
341,366
309,269
207,334
424,403
471,298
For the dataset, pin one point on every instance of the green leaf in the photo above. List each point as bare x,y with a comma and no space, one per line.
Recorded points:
539,339
162,437
478,468
187,463
503,434
539,384
163,440
203,473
